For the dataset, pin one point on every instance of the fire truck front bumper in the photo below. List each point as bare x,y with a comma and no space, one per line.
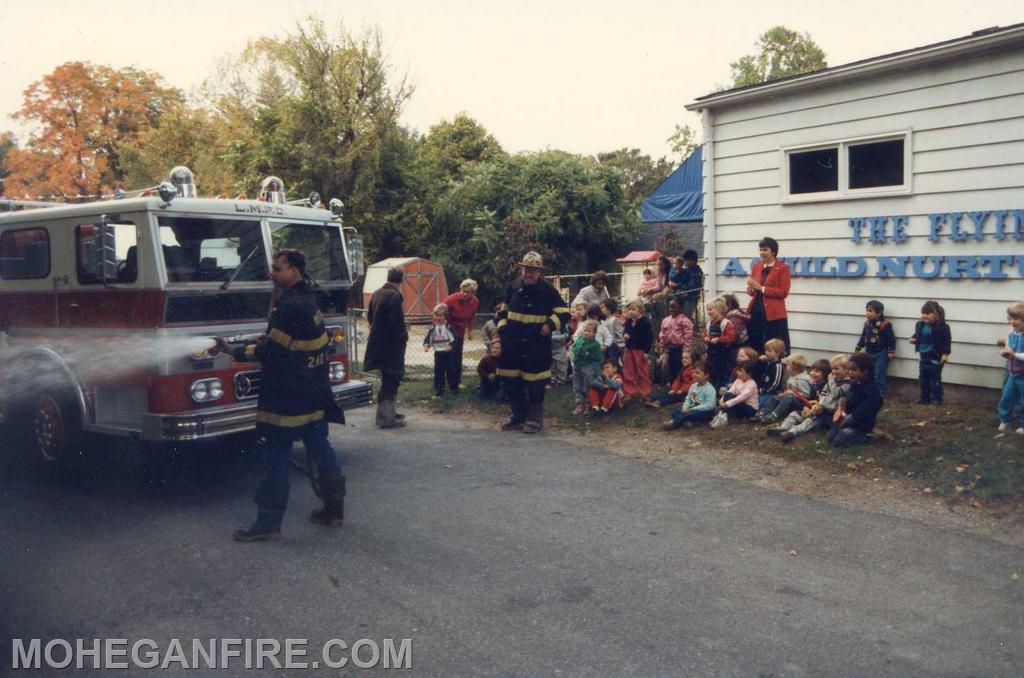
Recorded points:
235,418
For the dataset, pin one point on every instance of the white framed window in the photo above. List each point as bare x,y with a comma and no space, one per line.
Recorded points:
868,166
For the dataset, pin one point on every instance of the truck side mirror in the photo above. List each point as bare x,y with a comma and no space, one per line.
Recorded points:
356,260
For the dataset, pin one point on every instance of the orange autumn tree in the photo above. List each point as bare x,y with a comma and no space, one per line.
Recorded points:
82,115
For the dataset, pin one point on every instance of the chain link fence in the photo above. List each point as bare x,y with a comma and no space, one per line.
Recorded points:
419,364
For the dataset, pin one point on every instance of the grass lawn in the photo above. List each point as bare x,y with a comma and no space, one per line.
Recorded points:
951,451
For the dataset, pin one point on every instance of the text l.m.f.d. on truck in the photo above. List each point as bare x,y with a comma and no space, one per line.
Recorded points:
108,311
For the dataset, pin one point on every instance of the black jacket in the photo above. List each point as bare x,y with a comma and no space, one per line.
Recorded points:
385,347
942,340
295,385
862,406
525,352
773,377
641,335
877,336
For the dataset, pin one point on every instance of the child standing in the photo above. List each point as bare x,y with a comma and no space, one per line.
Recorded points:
602,333
691,285
439,339
739,319
635,367
605,392
743,400
700,400
560,357
932,340
491,327
586,363
719,338
878,340
679,388
676,336
854,423
491,387
613,324
1013,387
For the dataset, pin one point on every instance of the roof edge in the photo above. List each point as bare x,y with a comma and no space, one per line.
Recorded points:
984,39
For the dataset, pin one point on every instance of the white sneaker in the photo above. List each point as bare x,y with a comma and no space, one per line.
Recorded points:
1003,426
1020,431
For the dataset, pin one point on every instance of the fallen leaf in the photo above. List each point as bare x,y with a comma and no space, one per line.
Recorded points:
975,503
920,424
960,468
852,466
959,489
794,552
1014,577
927,490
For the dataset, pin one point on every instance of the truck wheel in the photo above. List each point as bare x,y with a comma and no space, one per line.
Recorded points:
54,430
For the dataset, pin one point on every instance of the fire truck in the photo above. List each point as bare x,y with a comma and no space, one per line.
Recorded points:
109,310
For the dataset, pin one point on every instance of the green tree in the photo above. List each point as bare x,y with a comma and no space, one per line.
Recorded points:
639,173
684,142
781,52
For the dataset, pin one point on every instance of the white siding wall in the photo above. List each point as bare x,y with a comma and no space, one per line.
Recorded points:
967,123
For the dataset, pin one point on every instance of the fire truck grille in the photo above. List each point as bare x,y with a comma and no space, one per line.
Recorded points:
247,385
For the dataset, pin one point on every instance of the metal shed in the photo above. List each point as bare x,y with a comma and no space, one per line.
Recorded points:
423,288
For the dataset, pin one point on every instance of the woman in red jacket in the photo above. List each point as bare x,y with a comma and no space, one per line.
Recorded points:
768,286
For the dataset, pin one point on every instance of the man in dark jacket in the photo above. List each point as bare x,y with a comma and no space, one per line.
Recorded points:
295,399
532,310
385,347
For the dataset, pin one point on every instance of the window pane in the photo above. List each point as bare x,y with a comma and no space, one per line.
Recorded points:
814,171
25,254
209,250
121,252
325,258
877,164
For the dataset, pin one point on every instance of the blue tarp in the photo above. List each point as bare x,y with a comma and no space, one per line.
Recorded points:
680,197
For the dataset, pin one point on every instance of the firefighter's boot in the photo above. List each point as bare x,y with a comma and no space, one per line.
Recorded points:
381,408
388,418
266,528
333,512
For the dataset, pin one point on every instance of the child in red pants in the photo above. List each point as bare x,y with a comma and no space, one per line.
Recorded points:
635,367
605,392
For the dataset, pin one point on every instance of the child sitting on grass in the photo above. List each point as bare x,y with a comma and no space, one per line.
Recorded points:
853,424
1013,386
605,392
586,363
797,393
681,386
741,401
491,387
699,405
773,372
821,390
635,366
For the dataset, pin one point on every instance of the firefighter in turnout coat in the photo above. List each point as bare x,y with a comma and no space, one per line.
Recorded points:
533,309
295,399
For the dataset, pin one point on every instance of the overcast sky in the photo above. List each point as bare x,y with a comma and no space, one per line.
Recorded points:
583,76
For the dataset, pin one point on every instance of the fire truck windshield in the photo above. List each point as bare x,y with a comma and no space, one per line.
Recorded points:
201,249
321,243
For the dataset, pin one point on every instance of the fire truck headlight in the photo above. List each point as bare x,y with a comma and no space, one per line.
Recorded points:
206,390
337,372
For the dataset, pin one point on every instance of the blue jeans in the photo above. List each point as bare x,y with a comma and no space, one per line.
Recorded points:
930,379
272,492
881,361
1013,397
697,416
845,437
